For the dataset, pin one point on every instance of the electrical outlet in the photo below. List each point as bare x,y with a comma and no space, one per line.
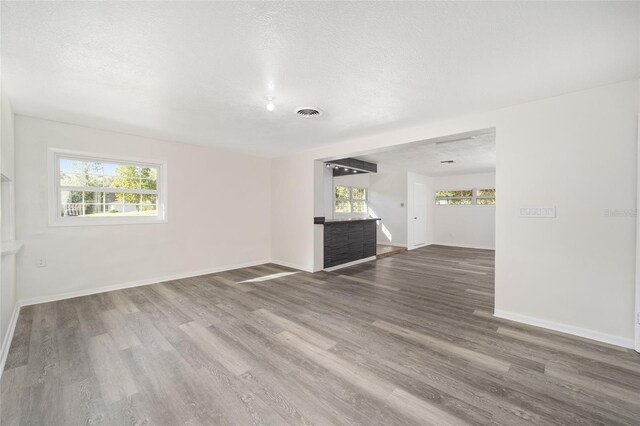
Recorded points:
548,211
41,262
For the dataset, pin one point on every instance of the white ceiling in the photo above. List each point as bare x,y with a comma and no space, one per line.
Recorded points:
199,72
473,152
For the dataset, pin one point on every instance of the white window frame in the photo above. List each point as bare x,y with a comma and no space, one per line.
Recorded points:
54,190
351,200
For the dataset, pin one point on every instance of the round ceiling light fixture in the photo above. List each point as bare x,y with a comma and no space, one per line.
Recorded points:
270,105
308,112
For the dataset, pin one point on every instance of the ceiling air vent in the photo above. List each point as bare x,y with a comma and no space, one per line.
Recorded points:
308,112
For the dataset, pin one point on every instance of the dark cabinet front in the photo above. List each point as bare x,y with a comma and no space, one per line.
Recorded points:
348,241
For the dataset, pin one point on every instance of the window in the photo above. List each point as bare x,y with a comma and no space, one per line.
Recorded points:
485,196
91,190
454,197
350,200
466,197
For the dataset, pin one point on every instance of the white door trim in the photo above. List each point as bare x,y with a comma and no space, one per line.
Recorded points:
636,319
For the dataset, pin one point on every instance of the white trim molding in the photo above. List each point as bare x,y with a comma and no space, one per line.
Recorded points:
636,316
6,343
137,283
464,246
11,247
565,328
417,246
290,265
161,191
391,244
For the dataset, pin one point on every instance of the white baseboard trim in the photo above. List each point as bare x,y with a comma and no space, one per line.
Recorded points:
391,244
289,265
418,246
345,265
565,328
138,283
6,343
464,246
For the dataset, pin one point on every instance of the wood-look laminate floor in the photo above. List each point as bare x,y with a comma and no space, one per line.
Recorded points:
407,339
383,250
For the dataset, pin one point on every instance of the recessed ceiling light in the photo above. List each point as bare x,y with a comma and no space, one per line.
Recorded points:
328,165
308,112
270,105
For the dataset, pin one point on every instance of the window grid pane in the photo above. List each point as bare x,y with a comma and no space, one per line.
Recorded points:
342,192
350,199
97,189
359,206
466,197
455,193
358,193
486,192
343,206
454,201
486,201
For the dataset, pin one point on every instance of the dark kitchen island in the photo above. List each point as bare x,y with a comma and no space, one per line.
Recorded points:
349,240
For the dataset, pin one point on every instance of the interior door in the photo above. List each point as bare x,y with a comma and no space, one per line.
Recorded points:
419,214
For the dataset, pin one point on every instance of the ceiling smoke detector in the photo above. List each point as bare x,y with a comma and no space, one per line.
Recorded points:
308,112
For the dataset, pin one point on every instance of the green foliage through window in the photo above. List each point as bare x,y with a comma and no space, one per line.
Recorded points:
485,201
93,188
343,206
342,192
358,193
486,192
466,197
350,200
463,193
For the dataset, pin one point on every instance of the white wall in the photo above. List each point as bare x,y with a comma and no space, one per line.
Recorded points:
7,267
218,214
360,180
576,269
7,159
575,272
464,226
329,193
388,200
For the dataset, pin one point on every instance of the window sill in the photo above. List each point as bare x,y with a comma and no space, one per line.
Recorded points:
11,247
106,222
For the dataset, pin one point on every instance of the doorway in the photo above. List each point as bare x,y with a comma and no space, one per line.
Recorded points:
439,191
419,215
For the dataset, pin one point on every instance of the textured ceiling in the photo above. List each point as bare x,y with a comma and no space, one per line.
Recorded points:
199,72
471,153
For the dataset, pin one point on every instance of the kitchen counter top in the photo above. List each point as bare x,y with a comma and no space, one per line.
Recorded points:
352,219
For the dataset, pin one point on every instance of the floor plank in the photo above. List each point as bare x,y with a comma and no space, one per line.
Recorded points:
407,339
